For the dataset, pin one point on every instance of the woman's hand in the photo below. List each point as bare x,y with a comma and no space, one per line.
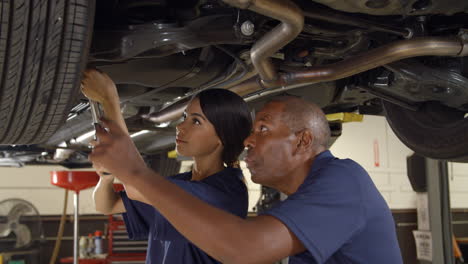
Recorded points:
99,87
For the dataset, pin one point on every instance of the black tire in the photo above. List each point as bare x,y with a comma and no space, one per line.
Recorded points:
43,49
416,170
435,131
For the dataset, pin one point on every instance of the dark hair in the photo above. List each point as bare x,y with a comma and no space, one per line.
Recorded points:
231,118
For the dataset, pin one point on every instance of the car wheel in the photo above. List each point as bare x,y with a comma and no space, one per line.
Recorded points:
435,131
43,49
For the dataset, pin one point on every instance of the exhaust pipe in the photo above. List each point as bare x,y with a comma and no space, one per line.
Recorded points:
292,22
436,46
170,113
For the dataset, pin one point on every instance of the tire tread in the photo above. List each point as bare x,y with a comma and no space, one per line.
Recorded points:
41,59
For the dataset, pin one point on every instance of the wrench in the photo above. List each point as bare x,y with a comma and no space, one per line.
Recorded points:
96,115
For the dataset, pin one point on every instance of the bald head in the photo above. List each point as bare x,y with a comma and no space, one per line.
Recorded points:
299,114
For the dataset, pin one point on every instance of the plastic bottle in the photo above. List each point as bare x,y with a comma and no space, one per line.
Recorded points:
90,248
83,243
98,242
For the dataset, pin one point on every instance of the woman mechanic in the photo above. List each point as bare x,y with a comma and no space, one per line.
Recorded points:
214,126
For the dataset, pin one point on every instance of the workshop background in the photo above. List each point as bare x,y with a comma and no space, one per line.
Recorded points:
371,143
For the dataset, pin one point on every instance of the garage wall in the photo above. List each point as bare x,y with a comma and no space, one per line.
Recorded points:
370,143
32,183
373,144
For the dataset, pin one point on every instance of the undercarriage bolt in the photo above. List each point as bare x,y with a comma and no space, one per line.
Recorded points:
247,28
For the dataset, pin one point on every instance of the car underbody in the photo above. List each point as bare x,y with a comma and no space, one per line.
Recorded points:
405,60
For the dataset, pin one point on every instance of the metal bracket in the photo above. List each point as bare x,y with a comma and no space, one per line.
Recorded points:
463,34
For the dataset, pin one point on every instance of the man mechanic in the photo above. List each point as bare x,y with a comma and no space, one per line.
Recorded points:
333,213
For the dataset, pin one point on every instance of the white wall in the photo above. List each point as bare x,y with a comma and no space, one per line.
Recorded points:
32,183
373,144
370,143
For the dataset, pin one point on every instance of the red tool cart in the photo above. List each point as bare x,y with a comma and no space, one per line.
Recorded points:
120,248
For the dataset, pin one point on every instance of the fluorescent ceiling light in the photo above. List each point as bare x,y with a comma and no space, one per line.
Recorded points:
85,136
139,133
165,124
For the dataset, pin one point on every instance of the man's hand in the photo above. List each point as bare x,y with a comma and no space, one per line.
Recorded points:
232,239
115,152
99,87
